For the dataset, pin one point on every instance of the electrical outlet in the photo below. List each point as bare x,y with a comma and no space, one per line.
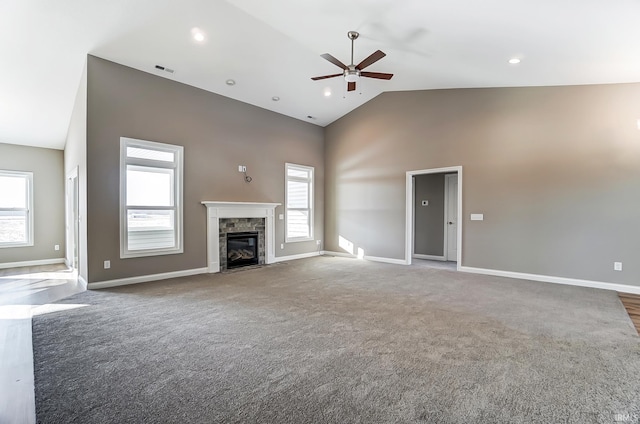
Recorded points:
617,266
56,247
107,264
281,245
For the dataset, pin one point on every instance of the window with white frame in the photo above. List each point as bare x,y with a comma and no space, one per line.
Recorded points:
150,198
299,201
16,208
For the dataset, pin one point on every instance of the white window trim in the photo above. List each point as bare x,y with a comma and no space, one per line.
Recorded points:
29,209
311,182
177,165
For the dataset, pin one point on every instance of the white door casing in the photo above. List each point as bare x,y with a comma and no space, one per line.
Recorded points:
409,210
72,220
451,217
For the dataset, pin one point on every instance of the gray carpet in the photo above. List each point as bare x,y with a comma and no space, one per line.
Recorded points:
335,340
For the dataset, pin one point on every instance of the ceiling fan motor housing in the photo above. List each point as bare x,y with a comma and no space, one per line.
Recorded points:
351,74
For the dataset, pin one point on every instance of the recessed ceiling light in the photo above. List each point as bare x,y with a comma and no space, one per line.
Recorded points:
327,92
230,82
275,98
198,35
514,61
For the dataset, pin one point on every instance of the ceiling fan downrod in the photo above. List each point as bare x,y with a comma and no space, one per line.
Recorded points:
353,36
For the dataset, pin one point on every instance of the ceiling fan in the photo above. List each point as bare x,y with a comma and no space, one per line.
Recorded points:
352,73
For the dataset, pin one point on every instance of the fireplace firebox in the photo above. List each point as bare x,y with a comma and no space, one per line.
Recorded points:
242,249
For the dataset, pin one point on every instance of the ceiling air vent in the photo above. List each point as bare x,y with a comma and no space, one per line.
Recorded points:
162,68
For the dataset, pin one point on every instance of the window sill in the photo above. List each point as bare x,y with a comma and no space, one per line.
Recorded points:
298,240
11,245
147,253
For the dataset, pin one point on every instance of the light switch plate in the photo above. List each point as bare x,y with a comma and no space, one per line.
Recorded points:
477,217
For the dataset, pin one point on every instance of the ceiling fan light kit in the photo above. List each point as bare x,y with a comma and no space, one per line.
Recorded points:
352,73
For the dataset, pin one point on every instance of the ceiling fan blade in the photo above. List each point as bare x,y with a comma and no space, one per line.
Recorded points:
351,86
378,75
373,58
326,76
333,60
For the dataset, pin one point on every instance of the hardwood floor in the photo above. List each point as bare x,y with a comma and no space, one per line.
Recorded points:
631,303
25,292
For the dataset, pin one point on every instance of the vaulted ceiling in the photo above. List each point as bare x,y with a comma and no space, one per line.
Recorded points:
272,49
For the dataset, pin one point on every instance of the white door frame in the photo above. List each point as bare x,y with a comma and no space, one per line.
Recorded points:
71,227
410,205
445,247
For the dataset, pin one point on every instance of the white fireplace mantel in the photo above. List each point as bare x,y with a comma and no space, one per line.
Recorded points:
217,210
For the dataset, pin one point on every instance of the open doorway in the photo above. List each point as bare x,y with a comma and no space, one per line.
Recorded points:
434,215
72,219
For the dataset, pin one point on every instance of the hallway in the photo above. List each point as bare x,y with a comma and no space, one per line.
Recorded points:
25,292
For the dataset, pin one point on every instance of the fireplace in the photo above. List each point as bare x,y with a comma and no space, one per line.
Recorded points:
235,248
242,249
230,217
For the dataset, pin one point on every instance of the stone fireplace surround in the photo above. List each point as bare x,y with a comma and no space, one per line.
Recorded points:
240,225
220,210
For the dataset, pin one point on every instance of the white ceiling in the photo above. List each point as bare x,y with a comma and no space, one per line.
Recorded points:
272,48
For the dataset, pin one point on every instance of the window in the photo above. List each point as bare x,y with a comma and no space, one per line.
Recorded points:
16,209
150,198
299,200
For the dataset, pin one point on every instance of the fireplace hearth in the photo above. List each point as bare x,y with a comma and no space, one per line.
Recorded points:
242,249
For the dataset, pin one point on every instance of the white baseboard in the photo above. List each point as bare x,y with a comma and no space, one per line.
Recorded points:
386,260
294,257
551,279
368,258
339,254
146,278
429,257
32,263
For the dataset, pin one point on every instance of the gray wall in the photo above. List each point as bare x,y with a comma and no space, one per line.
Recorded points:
429,220
217,133
75,156
555,170
48,201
